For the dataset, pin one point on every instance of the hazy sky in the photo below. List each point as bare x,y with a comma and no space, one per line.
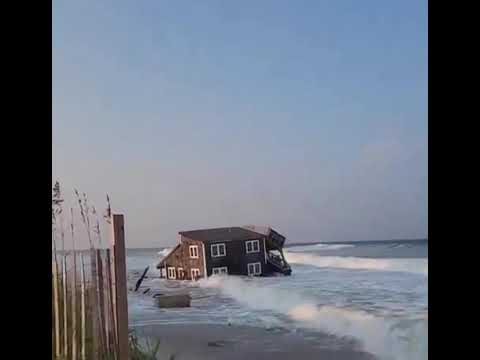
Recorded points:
310,116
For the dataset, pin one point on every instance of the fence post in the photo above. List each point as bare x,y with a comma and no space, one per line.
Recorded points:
120,285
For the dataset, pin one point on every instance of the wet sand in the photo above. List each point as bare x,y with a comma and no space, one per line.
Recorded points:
223,342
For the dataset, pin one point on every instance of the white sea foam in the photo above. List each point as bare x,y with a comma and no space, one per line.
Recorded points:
164,252
333,246
383,337
319,247
418,266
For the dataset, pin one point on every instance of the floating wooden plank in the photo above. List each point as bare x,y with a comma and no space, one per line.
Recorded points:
121,286
172,301
139,282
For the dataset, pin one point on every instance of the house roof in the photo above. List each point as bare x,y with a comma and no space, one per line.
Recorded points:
221,234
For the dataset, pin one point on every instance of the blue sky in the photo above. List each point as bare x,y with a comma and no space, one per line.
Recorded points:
310,116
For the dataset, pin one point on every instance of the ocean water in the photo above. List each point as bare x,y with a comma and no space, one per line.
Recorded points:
375,293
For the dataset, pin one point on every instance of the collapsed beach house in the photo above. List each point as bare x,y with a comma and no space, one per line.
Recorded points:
246,250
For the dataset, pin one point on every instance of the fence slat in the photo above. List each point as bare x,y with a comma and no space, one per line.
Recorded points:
55,309
82,311
101,303
65,307
107,304
74,307
111,307
93,304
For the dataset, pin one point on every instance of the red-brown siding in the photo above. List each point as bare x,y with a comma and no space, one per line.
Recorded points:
180,258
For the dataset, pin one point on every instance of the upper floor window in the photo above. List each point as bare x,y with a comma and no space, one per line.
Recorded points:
253,246
218,250
193,249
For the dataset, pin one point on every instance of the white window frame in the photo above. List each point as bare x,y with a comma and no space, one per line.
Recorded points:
252,242
181,273
254,271
172,273
193,254
222,270
218,249
197,271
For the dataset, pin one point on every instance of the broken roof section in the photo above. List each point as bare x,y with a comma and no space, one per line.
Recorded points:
162,261
261,229
221,234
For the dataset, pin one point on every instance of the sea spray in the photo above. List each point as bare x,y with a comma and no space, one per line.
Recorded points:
321,247
387,338
417,266
164,252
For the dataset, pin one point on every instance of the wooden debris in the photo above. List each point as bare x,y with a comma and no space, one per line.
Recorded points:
172,301
139,282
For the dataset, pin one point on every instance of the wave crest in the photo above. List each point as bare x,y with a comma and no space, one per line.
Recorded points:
383,337
417,266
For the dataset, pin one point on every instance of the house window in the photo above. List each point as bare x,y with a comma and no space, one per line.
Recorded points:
220,270
254,269
193,251
171,273
253,246
218,250
195,273
181,274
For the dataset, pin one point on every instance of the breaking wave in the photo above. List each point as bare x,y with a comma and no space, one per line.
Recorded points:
319,247
418,266
387,338
164,252
333,247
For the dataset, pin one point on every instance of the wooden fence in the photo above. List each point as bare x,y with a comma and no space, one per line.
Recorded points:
89,301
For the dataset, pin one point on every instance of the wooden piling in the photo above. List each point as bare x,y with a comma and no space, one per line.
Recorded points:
121,285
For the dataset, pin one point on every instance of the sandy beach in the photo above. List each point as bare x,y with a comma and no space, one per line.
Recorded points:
222,342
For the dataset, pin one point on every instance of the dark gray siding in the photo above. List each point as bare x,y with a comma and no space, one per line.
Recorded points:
236,258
